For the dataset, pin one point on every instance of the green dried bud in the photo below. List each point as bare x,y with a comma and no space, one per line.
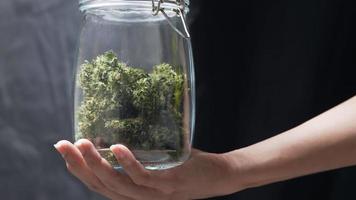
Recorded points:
126,105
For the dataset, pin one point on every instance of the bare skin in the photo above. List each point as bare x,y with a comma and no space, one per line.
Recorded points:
325,142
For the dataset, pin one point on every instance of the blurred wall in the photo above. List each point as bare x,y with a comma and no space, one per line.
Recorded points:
37,49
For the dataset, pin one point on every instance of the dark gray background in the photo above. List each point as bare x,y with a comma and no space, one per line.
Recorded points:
37,49
263,67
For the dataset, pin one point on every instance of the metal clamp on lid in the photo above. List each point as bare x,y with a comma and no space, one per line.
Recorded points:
157,7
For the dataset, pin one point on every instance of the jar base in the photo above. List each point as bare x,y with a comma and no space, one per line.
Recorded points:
153,166
151,160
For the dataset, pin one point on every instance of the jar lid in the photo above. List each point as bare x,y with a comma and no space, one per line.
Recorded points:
156,4
180,7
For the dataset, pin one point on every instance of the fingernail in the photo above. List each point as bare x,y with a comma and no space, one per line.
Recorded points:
113,146
118,153
78,144
56,146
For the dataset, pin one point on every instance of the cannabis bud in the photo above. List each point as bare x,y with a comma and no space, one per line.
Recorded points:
123,104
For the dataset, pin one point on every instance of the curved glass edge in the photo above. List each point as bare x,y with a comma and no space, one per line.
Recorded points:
193,92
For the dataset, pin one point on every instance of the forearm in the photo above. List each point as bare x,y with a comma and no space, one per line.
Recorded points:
325,142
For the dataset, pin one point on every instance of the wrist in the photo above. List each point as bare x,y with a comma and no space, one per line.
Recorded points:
242,175
233,171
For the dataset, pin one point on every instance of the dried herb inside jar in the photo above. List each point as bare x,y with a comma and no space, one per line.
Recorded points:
123,104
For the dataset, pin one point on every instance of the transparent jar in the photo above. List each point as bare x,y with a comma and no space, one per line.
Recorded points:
135,80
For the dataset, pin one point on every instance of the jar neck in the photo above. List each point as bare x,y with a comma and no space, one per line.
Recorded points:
138,5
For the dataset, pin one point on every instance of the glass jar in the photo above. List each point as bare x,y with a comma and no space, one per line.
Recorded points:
135,80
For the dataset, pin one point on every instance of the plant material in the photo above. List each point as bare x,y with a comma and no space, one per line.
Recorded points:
123,104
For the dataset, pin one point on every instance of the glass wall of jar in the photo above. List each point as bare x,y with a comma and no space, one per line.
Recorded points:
135,80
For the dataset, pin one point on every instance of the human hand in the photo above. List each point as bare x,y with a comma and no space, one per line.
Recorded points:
203,175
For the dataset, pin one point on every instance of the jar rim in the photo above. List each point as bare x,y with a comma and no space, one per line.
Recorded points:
85,5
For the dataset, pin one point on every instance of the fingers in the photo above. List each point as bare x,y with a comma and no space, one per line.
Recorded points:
100,167
71,154
77,166
132,167
113,180
163,181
